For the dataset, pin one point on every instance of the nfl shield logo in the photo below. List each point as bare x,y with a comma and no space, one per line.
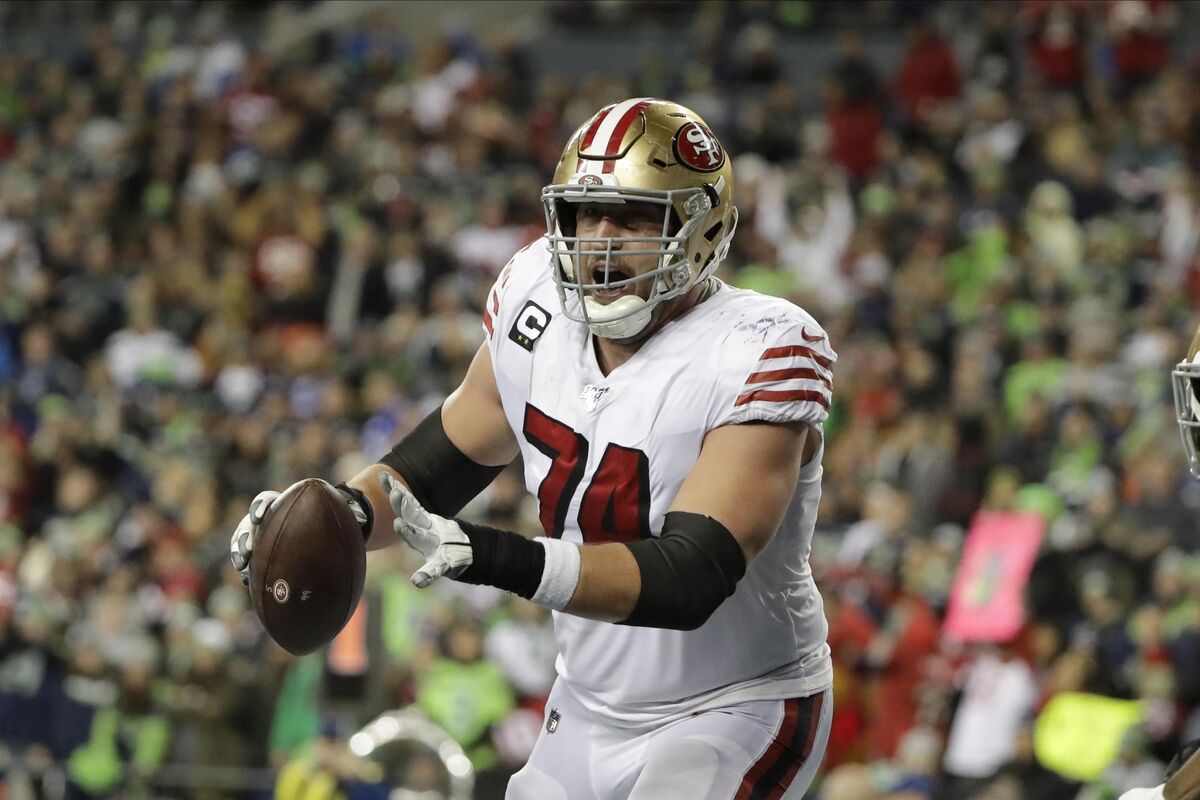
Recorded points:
591,397
552,721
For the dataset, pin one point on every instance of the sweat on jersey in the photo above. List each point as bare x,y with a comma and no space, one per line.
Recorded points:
606,455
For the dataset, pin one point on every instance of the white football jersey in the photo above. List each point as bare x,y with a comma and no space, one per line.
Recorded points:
606,455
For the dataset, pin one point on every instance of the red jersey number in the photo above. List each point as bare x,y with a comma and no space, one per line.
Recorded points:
616,504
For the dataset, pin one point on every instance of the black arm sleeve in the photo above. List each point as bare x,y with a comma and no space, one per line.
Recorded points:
503,559
438,474
687,572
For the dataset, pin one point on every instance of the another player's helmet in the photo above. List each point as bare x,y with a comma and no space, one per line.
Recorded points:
641,150
1185,380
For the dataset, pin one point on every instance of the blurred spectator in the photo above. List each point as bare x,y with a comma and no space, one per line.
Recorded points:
1133,768
1056,44
443,343
996,60
297,716
484,245
809,220
897,653
928,73
1141,47
464,694
127,741
999,693
144,352
756,55
329,771
1055,239
916,766
1034,780
524,648
849,782
854,109
206,704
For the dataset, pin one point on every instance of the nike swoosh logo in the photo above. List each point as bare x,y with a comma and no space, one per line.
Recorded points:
804,335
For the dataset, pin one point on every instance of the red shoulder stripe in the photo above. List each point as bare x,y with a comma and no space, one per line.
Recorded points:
793,350
772,375
774,396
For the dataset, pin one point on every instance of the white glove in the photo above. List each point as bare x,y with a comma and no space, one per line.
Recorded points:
446,549
1143,794
241,544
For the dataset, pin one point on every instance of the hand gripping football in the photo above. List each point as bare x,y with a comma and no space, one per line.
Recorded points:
308,567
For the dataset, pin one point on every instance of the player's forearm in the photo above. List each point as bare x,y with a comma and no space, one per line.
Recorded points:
675,580
382,535
601,582
1185,784
609,583
428,463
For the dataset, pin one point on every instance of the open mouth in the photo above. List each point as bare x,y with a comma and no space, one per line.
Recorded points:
615,274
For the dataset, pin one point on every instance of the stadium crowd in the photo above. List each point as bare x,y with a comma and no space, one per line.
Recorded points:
223,270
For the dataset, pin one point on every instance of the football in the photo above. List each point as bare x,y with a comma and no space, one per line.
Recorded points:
308,566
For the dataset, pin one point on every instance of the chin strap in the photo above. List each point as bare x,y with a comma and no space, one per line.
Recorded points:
631,326
630,322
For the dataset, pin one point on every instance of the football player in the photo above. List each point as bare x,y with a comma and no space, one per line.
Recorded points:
670,428
1183,773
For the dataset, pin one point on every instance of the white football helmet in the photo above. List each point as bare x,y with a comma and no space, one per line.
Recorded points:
650,151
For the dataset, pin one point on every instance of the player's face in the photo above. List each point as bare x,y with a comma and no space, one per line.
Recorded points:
617,221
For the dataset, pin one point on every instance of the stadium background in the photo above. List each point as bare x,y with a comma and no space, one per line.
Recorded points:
245,243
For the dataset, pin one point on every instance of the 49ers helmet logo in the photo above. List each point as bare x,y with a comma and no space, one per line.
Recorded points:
281,591
696,148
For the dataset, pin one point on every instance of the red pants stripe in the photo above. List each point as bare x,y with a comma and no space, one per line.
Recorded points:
771,774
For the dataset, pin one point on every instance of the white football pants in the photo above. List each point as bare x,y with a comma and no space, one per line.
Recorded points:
754,750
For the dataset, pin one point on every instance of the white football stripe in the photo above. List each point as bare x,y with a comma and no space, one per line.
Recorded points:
791,385
793,362
605,132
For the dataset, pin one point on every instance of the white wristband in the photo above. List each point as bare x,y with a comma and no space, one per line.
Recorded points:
560,576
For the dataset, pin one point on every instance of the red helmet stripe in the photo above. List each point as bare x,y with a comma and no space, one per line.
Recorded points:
590,133
614,141
595,126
